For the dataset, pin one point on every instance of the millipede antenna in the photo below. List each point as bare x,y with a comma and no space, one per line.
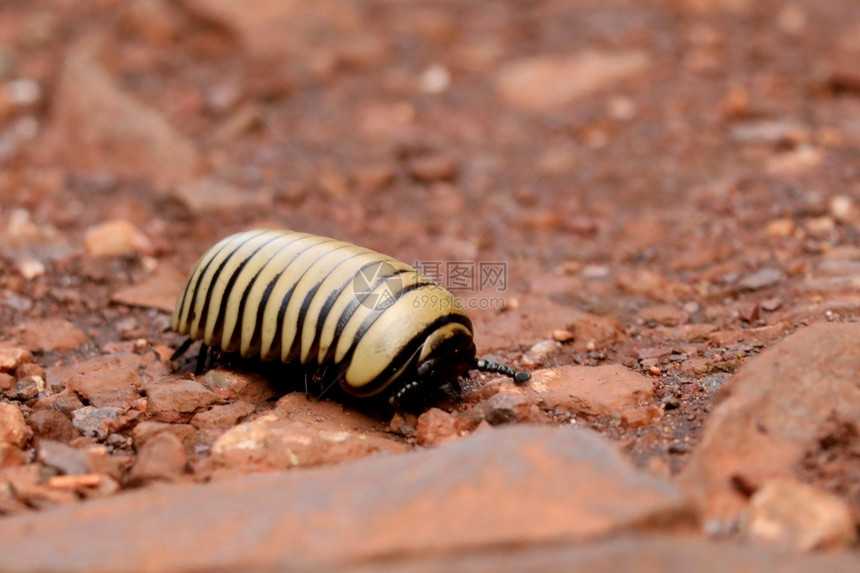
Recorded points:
496,368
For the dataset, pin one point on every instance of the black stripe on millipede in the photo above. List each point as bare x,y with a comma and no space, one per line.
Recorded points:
219,319
357,301
374,316
204,313
303,309
244,300
329,301
192,313
279,327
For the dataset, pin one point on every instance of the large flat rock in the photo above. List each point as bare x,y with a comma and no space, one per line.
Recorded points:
644,553
773,412
503,487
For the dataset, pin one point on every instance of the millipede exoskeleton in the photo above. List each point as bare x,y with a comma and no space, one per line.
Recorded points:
349,315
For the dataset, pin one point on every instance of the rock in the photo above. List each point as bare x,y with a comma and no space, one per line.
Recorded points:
526,324
269,442
209,194
779,132
11,357
157,21
548,83
479,492
222,416
64,402
561,335
147,366
107,385
277,31
436,427
10,456
7,383
114,132
51,425
430,168
63,458
793,163
142,432
798,517
664,314
592,332
160,290
538,351
241,121
374,177
89,420
26,388
27,484
505,407
844,209
591,391
645,282
641,552
640,417
761,278
115,239
50,334
246,386
172,400
162,458
769,414
13,428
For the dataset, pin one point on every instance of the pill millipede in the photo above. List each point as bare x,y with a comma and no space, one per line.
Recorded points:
347,315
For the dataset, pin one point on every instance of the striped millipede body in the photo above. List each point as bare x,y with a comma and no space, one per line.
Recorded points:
373,324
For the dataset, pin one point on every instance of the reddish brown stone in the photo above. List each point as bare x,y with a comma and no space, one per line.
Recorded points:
13,428
245,386
222,415
799,517
482,491
640,417
107,386
771,412
506,407
436,427
11,357
177,400
146,430
592,332
51,425
65,459
268,442
161,458
64,402
592,391
429,168
159,290
50,334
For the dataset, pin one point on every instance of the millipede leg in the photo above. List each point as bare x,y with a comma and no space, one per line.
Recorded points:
201,359
487,366
183,348
402,396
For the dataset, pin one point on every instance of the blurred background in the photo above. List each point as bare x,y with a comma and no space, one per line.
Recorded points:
612,154
668,186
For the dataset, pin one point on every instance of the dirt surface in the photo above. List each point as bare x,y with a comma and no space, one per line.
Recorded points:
648,195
